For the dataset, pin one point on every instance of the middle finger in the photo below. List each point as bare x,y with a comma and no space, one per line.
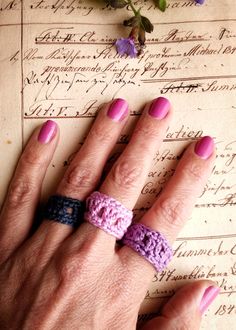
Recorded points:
127,176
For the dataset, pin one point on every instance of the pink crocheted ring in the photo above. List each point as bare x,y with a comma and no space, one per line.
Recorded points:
149,244
108,214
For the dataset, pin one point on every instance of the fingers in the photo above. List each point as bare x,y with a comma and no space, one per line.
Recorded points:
84,172
174,206
24,191
185,308
126,178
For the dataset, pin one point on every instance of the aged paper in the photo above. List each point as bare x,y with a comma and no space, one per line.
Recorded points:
57,61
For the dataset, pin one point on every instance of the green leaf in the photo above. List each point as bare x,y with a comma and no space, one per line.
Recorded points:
117,3
146,24
161,4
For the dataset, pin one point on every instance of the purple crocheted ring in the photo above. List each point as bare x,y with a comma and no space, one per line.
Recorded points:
108,214
150,244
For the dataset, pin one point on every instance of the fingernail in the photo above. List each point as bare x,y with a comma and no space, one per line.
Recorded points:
159,108
209,295
204,147
118,110
47,132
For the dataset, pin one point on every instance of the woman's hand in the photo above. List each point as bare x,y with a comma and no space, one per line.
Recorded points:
62,278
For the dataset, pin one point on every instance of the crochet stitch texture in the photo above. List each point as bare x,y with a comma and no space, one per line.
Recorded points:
108,214
150,244
65,210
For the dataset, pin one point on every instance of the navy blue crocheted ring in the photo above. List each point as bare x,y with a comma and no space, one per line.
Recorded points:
65,210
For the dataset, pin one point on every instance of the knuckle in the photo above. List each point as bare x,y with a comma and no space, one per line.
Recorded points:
171,210
180,321
193,171
125,174
20,191
82,177
101,133
78,263
30,157
71,268
148,131
185,322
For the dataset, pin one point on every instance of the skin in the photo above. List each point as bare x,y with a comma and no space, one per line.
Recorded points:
60,278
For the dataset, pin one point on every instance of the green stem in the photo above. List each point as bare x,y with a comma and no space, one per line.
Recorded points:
133,8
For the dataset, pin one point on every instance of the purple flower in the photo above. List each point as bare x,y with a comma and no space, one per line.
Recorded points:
126,46
200,2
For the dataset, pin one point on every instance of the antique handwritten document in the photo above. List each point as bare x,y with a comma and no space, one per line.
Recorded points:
57,60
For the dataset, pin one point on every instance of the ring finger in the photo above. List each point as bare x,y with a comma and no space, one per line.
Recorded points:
175,204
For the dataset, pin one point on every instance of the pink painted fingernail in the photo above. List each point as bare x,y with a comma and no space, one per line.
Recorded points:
159,108
209,295
204,148
118,110
47,132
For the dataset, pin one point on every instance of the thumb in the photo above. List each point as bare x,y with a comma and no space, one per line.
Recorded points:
185,308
